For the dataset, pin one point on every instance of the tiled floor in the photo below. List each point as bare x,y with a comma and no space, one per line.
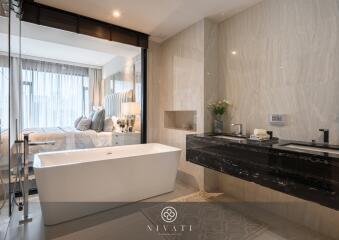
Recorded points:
36,230
130,223
4,219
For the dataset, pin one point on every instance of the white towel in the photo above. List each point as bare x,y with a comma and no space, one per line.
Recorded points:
260,137
260,132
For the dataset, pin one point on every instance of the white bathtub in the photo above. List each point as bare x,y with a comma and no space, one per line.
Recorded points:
76,183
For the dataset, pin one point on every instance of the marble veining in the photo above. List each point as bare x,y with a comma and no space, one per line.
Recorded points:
184,77
286,62
304,174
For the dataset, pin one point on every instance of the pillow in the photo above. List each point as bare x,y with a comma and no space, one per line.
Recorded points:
98,120
76,122
91,114
108,125
84,124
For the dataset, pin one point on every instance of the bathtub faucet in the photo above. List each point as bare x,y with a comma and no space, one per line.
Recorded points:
25,189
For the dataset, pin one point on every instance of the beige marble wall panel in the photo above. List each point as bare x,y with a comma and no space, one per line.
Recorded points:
153,111
180,83
211,92
287,56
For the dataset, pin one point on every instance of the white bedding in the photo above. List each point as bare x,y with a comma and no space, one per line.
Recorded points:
4,150
67,138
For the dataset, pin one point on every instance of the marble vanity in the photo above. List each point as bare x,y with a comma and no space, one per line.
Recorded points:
299,169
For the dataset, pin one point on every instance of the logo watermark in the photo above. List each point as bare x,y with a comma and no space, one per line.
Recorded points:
169,215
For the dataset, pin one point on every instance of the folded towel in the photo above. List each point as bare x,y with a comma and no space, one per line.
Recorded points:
260,132
260,137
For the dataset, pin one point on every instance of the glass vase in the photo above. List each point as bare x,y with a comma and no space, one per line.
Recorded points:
218,125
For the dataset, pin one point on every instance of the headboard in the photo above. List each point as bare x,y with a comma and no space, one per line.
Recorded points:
113,103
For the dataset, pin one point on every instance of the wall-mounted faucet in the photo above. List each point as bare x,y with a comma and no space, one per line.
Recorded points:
239,128
326,135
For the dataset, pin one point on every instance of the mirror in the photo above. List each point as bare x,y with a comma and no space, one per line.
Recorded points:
122,93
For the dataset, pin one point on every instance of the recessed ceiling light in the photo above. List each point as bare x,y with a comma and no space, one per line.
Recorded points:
234,52
116,14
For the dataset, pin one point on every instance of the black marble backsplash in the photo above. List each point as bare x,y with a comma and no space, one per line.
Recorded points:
309,175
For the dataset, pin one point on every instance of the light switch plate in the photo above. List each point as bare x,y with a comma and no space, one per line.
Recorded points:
277,119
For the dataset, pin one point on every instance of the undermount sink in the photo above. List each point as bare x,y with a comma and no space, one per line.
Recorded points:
234,138
312,148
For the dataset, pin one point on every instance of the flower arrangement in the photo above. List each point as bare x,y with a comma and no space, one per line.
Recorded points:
219,107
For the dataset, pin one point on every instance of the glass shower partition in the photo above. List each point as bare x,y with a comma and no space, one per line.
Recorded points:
4,117
10,65
15,150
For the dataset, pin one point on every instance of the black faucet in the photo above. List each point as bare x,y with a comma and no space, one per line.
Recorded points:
326,135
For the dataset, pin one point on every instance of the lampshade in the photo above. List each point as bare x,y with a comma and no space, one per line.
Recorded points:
130,108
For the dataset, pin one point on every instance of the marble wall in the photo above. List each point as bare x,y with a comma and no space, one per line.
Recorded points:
286,62
178,71
153,111
177,85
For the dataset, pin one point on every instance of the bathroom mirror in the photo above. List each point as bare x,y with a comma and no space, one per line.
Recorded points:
123,92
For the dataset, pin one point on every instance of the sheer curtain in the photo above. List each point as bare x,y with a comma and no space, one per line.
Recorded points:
15,99
95,88
53,94
4,92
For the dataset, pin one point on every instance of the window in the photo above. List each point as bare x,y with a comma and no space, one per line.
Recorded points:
53,94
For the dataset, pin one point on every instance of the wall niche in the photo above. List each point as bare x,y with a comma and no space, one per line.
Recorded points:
181,120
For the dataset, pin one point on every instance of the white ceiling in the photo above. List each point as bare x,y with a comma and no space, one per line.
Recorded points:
49,43
53,51
159,18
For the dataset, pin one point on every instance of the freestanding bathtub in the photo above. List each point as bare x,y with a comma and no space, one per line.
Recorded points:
76,183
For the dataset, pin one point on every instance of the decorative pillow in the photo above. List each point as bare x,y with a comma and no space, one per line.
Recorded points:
98,120
91,114
84,124
108,125
76,122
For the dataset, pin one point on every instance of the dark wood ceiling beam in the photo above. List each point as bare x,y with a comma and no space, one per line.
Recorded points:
68,21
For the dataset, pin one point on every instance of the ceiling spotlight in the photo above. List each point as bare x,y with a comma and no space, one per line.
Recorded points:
116,13
234,52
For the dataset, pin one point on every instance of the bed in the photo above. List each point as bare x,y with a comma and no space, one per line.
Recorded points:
4,150
67,138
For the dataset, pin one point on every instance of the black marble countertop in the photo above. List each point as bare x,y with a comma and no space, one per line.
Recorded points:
310,175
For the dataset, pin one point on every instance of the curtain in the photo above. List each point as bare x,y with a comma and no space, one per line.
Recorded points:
15,101
53,94
95,88
4,81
